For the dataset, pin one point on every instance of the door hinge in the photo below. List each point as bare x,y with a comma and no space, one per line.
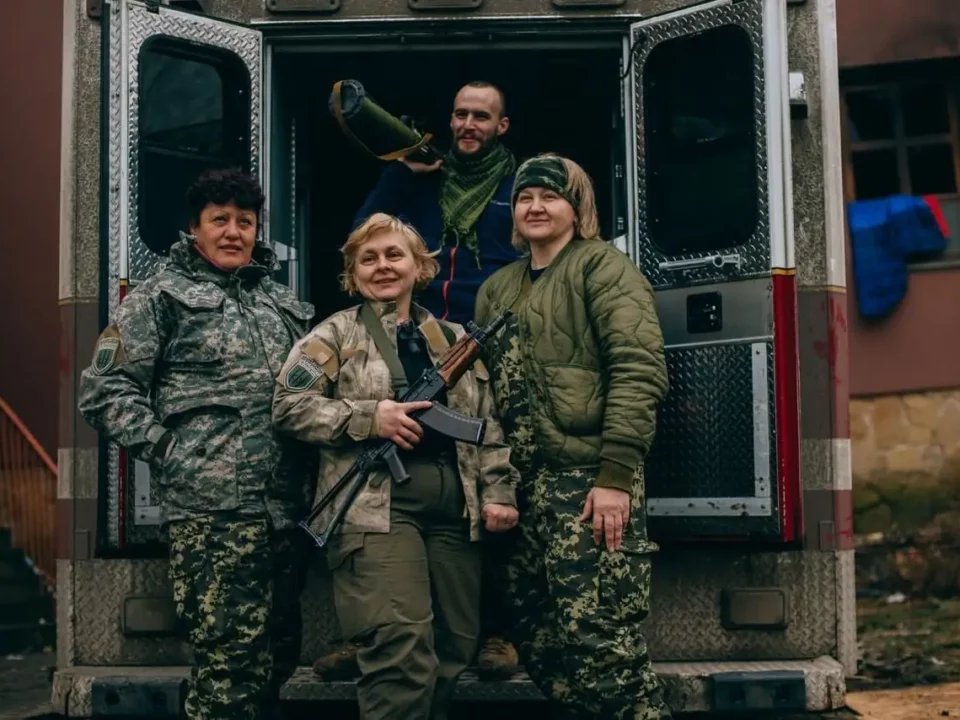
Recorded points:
799,109
153,6
94,9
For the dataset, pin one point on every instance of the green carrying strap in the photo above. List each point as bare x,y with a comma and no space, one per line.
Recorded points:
448,333
398,378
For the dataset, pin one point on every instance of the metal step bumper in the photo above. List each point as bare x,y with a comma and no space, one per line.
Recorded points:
811,685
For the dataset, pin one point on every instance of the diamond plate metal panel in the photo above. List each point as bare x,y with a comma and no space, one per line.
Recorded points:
99,590
685,622
705,436
100,586
144,24
688,686
705,444
684,625
129,259
755,254
846,594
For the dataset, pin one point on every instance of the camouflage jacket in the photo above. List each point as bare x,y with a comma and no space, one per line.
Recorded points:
184,379
327,394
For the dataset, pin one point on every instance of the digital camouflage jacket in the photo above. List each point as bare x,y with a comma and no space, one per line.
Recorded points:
184,379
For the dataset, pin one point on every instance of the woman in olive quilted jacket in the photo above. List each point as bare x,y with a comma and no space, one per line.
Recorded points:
577,375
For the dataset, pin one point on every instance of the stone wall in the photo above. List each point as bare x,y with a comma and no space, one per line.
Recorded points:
914,432
905,457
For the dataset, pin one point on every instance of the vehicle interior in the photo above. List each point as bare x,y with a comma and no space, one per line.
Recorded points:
564,101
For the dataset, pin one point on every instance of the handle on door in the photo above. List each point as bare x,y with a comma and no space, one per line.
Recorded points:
715,261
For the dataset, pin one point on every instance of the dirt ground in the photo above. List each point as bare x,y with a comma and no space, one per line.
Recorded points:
907,643
929,701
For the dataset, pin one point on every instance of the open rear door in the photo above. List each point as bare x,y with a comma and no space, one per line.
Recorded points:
183,93
712,230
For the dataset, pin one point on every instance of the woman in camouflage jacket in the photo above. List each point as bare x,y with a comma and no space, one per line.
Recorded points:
405,562
578,374
183,378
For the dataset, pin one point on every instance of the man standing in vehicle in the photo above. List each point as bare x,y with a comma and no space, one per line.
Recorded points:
460,205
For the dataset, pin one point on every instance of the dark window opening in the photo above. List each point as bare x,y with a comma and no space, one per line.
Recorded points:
901,137
925,110
876,173
931,169
194,114
871,115
700,142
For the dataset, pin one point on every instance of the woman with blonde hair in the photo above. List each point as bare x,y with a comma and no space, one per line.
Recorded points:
405,561
578,375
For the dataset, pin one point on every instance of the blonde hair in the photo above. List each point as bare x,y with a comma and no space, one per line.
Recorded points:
580,188
378,224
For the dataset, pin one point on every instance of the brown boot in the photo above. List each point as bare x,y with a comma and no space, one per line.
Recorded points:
338,662
497,660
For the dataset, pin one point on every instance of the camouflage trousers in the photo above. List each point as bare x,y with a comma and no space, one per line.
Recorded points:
236,585
576,609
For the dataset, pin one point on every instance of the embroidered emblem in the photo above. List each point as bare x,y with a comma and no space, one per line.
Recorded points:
302,375
106,355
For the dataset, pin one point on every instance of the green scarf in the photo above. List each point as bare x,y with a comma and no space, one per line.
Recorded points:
468,186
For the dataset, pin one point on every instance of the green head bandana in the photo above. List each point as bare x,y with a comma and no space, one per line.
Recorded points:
544,172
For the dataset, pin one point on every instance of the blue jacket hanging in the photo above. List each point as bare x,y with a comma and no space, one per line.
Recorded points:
885,234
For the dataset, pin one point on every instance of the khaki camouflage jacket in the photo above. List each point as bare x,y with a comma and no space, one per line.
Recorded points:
184,379
327,394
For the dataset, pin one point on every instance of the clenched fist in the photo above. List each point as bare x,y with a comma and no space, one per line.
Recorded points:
499,518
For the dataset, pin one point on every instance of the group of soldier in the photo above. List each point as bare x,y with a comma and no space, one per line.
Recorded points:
533,538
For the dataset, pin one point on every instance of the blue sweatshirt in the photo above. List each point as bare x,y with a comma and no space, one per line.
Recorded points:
415,199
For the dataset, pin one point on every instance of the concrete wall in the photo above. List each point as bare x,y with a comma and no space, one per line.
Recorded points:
30,78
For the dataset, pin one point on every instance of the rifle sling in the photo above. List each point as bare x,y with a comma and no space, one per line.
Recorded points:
398,378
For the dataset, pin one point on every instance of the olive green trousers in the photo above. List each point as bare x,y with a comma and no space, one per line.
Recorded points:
410,599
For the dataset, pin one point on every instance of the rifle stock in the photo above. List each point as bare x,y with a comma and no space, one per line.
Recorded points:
454,363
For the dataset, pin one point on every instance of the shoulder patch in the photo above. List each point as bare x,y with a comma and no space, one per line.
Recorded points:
108,352
302,375
435,336
322,355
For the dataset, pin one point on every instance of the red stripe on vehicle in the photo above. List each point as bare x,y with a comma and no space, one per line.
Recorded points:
786,383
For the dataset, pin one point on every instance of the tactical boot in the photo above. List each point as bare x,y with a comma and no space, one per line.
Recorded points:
497,660
338,662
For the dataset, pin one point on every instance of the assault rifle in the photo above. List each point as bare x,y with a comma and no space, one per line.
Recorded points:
454,363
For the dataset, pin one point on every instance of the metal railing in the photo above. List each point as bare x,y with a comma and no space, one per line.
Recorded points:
28,494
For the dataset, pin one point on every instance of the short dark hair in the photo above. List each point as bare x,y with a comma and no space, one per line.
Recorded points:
222,186
484,84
